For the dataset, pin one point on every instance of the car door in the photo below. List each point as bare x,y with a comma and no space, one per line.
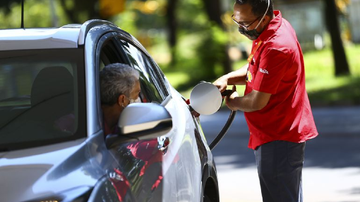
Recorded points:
138,171
181,165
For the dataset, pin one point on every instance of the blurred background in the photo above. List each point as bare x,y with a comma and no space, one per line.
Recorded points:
195,40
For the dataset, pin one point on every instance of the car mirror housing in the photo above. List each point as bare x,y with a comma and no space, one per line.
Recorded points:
141,121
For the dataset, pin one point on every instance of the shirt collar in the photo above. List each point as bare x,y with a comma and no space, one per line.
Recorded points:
271,28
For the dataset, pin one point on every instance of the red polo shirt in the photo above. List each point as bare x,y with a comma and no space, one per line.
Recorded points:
277,67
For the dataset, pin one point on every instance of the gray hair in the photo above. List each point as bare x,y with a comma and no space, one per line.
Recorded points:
116,79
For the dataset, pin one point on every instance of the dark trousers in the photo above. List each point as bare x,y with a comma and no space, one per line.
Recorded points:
279,165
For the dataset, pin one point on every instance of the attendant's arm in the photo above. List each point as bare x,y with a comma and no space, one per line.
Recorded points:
253,101
236,77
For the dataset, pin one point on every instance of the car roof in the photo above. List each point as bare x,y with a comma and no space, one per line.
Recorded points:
39,38
68,36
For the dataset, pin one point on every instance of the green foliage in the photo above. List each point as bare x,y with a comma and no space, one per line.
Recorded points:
201,47
324,88
201,55
191,16
37,13
127,21
210,54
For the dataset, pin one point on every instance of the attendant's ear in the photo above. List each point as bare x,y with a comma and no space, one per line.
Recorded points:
266,20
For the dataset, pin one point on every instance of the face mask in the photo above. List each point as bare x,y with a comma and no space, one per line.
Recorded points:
253,34
137,100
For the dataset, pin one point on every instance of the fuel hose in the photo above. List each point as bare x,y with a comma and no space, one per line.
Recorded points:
226,126
223,131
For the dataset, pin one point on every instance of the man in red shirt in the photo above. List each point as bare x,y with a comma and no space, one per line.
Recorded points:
275,102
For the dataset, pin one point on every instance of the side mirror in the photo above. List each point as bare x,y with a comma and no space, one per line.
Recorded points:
141,121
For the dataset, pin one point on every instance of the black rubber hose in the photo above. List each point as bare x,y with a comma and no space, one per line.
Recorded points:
223,131
227,124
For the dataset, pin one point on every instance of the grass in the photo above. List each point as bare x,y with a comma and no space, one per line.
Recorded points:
324,89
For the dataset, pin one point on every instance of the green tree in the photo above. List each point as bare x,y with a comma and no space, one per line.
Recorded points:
172,26
214,12
201,17
37,13
76,11
6,5
80,10
331,14
332,23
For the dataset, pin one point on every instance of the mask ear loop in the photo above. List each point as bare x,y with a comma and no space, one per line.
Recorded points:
267,9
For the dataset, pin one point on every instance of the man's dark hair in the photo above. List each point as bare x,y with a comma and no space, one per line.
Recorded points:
258,6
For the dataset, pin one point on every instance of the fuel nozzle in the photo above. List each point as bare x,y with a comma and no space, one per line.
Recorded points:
226,93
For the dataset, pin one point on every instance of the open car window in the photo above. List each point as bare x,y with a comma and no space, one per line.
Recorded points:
117,50
151,89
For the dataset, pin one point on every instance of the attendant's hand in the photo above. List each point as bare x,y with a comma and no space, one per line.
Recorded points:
230,100
221,83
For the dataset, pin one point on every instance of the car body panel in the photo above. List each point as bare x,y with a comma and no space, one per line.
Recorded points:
174,166
39,172
46,38
182,164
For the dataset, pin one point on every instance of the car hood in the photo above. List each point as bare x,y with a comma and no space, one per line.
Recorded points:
39,172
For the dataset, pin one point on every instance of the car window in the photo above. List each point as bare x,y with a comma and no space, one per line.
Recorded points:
40,95
150,87
111,52
157,74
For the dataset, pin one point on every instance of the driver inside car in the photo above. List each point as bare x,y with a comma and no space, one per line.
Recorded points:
119,87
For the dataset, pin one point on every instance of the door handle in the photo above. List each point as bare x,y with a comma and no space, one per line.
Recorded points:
163,143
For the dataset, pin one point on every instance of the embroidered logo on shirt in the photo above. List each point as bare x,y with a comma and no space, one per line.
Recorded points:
248,76
264,71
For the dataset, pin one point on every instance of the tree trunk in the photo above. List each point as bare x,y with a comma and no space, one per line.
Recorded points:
213,10
84,8
172,28
69,12
332,23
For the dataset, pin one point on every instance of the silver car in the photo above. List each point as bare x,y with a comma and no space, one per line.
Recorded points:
52,144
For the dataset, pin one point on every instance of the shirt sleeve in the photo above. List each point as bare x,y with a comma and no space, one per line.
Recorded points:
272,68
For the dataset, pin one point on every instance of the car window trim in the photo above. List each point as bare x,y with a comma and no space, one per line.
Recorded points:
162,82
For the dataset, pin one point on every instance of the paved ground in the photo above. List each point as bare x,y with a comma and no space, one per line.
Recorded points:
332,160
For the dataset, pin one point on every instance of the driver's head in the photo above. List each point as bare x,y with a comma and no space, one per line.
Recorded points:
119,85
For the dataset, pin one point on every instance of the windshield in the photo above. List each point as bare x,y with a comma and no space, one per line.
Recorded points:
41,97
